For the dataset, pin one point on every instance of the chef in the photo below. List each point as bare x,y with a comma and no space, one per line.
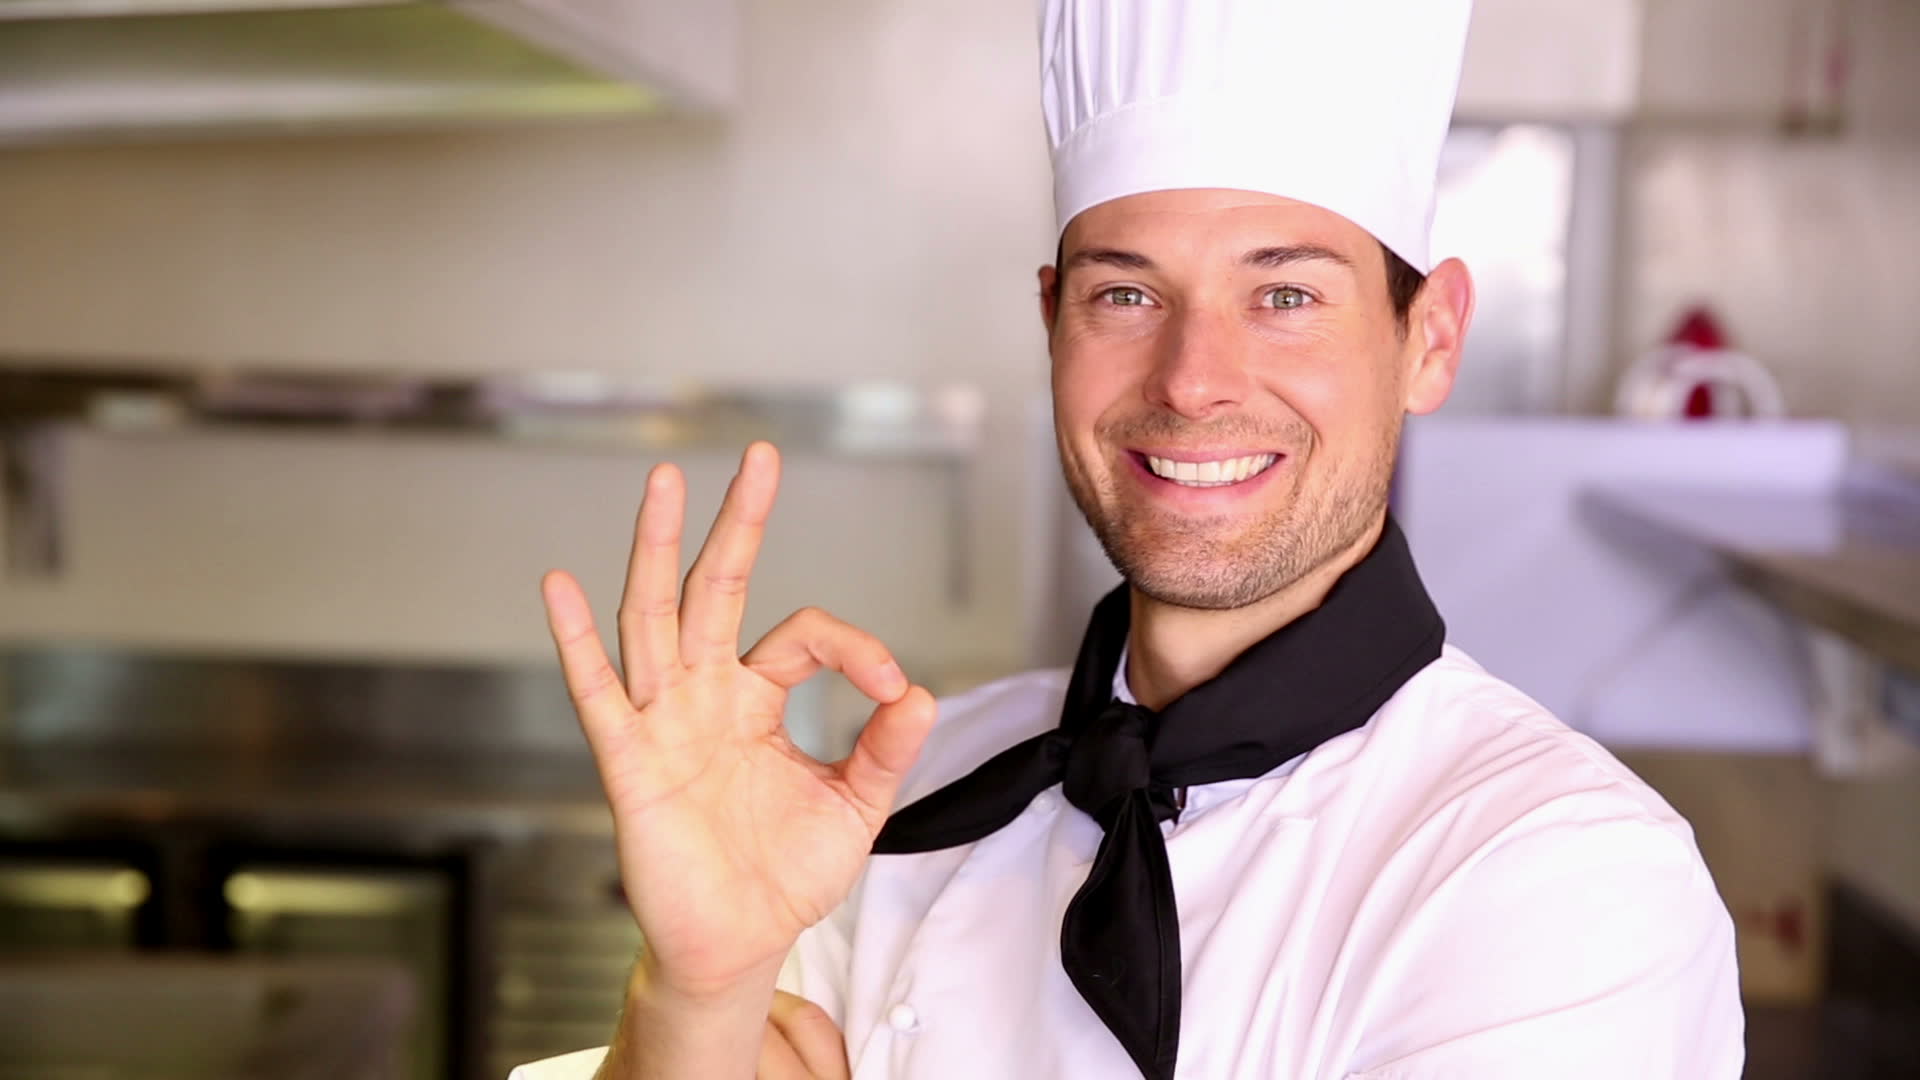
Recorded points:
1270,825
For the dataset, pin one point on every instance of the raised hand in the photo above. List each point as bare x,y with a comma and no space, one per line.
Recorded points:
731,839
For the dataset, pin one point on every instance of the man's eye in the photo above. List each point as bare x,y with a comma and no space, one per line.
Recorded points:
1286,296
1125,296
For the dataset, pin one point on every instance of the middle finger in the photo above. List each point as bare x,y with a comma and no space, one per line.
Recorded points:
715,597
650,605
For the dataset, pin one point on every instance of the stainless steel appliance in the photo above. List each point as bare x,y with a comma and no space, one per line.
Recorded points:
76,70
442,824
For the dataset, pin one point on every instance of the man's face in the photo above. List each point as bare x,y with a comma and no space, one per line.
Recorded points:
1229,380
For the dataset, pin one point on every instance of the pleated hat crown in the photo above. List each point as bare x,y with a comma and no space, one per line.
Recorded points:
1338,103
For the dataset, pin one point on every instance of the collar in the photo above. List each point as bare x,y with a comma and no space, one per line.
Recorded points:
1321,675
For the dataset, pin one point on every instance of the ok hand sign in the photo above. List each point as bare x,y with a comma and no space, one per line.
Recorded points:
731,840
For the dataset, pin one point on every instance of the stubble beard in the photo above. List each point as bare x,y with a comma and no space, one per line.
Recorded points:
1209,563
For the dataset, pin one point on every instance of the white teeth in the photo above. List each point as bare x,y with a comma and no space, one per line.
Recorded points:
1210,473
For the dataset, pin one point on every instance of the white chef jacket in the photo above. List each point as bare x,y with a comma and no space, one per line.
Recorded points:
1463,888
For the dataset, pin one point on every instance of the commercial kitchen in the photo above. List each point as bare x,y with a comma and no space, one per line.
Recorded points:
326,329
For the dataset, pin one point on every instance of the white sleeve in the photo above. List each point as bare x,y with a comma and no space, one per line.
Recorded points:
576,1066
1584,950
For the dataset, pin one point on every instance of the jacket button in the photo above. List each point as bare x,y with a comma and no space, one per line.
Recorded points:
903,1018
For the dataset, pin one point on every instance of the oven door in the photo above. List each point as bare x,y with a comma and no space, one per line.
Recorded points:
405,916
198,1016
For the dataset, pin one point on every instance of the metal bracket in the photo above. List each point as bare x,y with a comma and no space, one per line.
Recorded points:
29,500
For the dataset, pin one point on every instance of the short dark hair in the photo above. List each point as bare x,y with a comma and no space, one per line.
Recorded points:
1403,284
1403,281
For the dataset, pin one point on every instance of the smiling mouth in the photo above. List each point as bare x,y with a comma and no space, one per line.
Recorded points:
1222,473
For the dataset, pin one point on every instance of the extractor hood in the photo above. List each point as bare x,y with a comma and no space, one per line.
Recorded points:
80,70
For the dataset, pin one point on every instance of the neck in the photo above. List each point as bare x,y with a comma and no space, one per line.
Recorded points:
1173,649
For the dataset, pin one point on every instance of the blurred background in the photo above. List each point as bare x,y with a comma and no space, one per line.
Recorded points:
327,327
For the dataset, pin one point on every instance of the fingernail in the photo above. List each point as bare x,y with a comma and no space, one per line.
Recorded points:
891,672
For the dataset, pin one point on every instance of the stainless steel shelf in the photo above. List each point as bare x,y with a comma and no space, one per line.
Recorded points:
939,428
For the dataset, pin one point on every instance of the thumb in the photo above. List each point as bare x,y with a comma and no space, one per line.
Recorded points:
812,1035
888,746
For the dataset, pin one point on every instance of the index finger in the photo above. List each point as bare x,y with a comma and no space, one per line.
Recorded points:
810,640
591,681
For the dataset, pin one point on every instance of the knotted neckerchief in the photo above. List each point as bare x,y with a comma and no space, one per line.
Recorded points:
1321,675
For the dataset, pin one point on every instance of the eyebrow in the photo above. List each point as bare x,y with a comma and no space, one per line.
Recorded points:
1272,258
1125,260
1266,258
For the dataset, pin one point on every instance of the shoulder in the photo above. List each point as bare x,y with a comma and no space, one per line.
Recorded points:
1461,751
1480,729
973,726
1554,894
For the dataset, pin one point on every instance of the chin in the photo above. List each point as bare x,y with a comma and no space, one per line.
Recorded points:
1202,573
1208,595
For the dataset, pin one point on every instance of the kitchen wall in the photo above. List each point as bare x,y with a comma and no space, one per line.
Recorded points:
1806,246
858,215
873,210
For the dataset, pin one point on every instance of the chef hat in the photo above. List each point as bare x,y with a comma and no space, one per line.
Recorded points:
1339,103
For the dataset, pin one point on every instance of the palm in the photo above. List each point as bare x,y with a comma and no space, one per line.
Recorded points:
731,839
730,833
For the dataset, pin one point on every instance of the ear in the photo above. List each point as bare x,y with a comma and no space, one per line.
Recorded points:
1049,295
1436,330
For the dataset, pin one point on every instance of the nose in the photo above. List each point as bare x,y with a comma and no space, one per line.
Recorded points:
1200,368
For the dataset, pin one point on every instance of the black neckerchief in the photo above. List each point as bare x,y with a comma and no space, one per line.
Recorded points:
1323,674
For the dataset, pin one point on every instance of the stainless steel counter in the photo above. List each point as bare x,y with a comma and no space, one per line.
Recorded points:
410,800
408,749
1847,560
